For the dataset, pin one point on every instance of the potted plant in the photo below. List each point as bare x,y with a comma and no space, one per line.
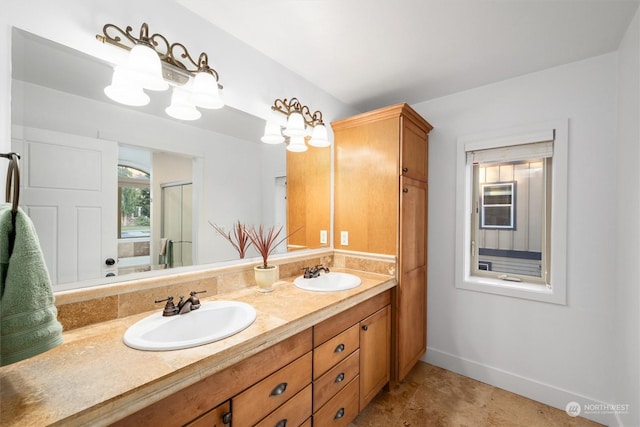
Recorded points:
265,240
239,240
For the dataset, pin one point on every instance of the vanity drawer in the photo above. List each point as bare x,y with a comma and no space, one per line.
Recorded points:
341,409
335,350
334,380
217,417
292,414
262,398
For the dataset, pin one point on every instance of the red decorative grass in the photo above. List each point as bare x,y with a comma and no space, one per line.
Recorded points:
239,240
265,240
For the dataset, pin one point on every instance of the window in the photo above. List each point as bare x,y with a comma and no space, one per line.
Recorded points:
512,189
497,205
134,203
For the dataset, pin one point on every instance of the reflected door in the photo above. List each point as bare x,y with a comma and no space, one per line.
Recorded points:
68,187
176,246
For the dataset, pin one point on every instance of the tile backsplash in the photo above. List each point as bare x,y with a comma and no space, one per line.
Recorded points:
83,307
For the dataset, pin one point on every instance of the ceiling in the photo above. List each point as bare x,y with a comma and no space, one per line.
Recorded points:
373,53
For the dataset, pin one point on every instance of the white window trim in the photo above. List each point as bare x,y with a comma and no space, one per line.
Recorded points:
555,290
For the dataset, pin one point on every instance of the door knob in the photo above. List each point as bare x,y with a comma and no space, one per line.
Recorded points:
110,261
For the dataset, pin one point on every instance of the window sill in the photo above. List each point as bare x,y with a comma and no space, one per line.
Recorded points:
523,290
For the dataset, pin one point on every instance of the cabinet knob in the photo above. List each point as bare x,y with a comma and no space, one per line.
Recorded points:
279,389
339,349
405,170
111,274
282,423
226,418
340,377
339,414
365,328
405,190
110,261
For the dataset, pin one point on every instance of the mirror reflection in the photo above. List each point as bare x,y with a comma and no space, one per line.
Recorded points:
114,190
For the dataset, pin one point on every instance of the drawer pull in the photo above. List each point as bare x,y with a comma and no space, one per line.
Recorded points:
282,423
339,414
279,389
339,349
340,377
405,170
365,328
405,190
226,418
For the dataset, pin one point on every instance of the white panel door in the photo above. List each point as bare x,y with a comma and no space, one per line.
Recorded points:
69,189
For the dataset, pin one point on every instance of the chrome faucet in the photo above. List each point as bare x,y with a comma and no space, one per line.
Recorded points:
184,306
313,272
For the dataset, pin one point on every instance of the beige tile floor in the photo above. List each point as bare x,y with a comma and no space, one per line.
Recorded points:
431,396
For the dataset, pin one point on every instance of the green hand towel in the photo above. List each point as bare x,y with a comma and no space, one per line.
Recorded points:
28,316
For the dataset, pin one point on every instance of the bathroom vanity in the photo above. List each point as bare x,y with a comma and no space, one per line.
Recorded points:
308,355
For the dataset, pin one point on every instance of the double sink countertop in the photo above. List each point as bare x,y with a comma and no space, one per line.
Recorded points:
93,378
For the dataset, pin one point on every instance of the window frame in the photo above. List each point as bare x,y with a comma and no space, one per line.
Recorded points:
554,290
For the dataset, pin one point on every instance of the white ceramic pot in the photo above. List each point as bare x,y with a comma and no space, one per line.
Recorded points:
266,277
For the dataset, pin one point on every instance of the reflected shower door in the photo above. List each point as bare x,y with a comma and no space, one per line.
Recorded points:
177,224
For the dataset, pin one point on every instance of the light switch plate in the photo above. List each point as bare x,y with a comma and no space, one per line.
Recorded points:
344,238
323,237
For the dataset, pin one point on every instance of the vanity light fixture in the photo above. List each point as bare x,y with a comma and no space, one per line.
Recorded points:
155,64
296,128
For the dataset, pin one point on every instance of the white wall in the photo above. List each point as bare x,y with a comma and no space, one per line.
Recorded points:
552,353
627,320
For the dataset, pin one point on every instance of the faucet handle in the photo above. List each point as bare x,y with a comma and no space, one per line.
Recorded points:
195,301
169,309
307,272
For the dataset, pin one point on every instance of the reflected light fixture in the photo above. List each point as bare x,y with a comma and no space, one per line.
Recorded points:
296,128
155,64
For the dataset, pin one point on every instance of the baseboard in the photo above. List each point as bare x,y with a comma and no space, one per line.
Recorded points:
527,387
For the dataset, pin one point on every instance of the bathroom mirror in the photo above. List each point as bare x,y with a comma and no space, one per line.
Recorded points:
115,189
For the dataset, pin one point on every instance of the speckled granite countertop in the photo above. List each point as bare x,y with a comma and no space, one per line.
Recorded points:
95,379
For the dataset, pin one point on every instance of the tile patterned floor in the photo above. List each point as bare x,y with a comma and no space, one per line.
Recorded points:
431,396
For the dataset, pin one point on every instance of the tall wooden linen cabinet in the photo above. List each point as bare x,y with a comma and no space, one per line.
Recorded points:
381,160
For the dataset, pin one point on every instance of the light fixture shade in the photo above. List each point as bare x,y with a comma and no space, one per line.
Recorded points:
319,137
295,125
181,107
144,63
272,134
205,91
296,144
124,90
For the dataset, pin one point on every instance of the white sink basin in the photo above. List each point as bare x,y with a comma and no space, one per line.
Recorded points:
329,282
213,321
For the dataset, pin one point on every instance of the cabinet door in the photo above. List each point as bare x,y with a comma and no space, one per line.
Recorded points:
411,294
375,354
413,148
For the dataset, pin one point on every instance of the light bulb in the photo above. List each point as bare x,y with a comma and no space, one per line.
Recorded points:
181,107
319,137
272,134
144,64
295,125
205,91
296,144
124,90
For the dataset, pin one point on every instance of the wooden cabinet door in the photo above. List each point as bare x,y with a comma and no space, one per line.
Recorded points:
413,149
411,296
375,354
